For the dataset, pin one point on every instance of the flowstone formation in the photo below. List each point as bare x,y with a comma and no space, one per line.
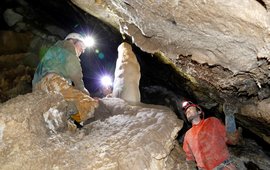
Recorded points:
34,134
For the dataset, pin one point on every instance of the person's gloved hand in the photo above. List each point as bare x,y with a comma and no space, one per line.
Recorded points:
229,110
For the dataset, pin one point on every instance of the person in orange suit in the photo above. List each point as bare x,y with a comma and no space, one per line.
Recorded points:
205,142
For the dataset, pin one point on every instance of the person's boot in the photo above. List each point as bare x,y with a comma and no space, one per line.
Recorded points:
77,120
79,125
71,126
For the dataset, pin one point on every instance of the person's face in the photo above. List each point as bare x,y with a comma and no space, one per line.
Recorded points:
80,47
191,113
106,90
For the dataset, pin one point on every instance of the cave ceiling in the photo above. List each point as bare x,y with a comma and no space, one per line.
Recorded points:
215,50
231,38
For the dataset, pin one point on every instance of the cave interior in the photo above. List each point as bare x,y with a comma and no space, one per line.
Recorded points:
48,21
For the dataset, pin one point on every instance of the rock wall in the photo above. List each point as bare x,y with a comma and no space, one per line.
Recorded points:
34,135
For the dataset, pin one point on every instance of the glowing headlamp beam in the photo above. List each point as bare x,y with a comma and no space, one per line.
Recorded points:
106,81
89,41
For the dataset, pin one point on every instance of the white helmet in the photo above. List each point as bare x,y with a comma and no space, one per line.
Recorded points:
75,36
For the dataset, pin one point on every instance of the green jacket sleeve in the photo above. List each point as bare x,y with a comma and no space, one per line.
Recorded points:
74,70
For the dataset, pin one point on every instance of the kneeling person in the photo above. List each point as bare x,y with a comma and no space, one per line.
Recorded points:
59,69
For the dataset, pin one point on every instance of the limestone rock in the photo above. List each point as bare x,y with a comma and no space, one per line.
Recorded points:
226,33
33,135
11,17
12,42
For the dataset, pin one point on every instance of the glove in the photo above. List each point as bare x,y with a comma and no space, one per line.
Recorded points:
229,111
229,108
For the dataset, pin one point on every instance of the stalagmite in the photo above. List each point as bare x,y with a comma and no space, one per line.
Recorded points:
127,75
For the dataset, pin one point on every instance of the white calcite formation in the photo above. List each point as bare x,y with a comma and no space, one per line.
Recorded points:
127,75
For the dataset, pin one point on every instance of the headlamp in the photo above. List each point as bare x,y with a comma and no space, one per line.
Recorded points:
89,41
106,81
187,104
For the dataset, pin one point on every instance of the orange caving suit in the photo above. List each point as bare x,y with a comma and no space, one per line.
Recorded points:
205,143
58,69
